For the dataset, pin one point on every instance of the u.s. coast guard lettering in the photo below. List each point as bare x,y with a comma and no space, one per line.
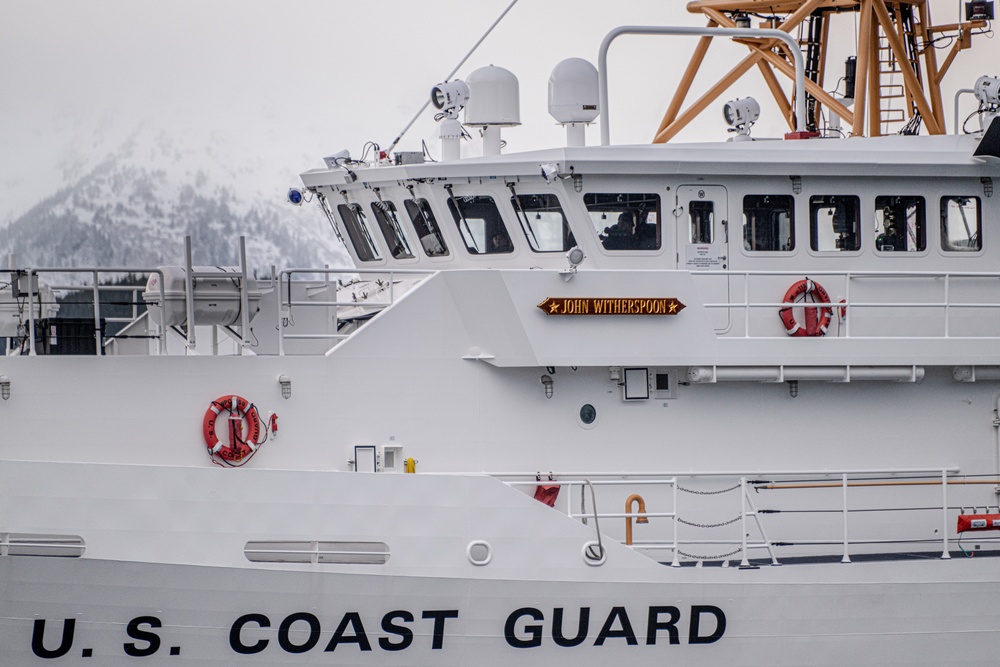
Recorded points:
400,630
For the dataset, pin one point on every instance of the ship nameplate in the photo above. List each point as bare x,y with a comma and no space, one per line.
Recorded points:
559,305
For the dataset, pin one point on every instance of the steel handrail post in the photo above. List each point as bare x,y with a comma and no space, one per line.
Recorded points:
97,314
944,515
847,557
676,561
189,295
244,299
745,562
31,315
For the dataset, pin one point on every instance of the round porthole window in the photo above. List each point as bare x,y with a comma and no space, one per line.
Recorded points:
587,415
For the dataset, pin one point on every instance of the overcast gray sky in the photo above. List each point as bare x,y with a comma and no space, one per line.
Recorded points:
309,77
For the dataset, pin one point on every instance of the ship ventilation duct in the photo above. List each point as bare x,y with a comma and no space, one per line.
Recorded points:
494,101
707,374
573,98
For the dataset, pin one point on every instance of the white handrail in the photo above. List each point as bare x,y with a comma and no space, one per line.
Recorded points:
751,33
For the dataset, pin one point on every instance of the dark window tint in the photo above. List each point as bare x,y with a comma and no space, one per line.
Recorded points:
835,222
392,231
625,221
900,224
358,232
427,228
768,223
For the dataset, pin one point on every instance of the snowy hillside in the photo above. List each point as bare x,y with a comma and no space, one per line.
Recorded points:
128,200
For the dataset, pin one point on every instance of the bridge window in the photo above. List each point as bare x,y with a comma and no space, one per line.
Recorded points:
427,228
481,225
961,224
900,224
768,223
543,222
835,223
625,221
357,230
392,231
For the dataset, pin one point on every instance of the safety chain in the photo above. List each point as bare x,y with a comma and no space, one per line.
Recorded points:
696,557
708,493
709,525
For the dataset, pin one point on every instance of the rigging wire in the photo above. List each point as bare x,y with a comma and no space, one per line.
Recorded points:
451,74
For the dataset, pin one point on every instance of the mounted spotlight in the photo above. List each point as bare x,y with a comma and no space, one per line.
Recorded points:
741,20
450,96
988,90
741,114
296,196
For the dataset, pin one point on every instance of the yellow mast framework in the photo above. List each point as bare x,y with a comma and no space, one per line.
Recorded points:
898,78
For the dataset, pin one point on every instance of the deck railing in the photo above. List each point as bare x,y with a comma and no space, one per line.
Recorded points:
286,300
941,298
714,488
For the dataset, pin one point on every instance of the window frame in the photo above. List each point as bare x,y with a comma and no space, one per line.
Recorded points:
747,224
566,231
921,225
491,227
385,214
814,223
620,203
429,223
357,223
962,252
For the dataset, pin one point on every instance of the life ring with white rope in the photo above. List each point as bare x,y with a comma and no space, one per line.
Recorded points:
817,320
240,447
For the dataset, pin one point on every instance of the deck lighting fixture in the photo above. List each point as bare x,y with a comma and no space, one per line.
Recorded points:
547,381
741,20
4,387
450,97
295,196
286,385
740,114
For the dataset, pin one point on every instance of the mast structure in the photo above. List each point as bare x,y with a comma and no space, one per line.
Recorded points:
896,82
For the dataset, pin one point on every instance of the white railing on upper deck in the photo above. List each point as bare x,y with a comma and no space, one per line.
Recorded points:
942,293
95,286
286,301
830,495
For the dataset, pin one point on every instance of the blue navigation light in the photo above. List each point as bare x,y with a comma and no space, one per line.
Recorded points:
295,196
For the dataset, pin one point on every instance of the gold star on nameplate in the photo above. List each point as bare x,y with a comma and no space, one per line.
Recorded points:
554,307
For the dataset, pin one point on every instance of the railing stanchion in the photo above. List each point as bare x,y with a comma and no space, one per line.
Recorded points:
944,515
676,560
843,483
31,315
743,522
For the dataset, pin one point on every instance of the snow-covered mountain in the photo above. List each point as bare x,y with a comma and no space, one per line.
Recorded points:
127,199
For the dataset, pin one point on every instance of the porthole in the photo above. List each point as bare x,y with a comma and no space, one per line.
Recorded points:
587,416
479,552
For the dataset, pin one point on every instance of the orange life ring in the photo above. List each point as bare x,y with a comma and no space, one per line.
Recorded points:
240,448
817,319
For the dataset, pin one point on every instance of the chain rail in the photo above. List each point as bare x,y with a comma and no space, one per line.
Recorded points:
709,525
708,493
720,556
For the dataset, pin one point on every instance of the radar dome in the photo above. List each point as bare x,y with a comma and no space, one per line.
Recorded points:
494,97
573,91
